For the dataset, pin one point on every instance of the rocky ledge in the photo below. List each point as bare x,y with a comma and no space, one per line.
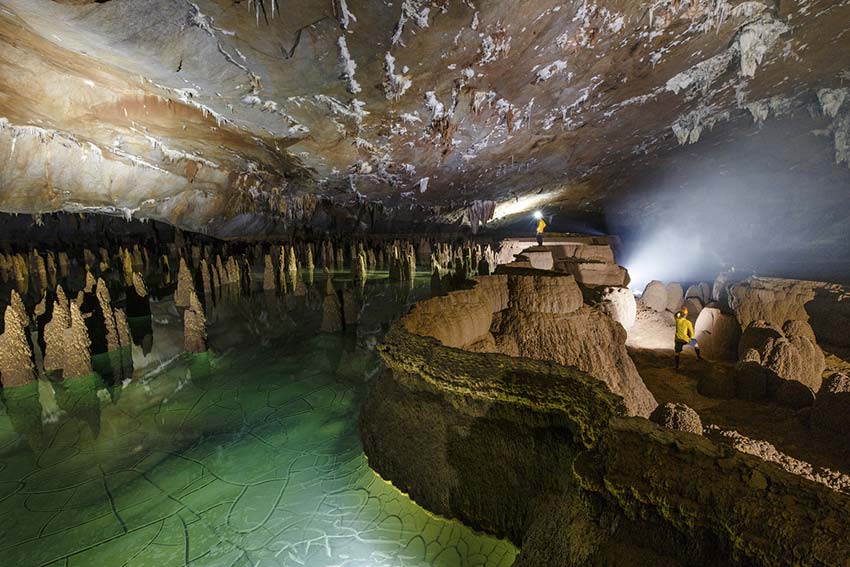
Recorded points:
547,456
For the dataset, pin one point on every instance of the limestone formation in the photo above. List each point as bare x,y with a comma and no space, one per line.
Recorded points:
655,296
770,299
54,333
206,281
678,417
784,367
269,275
113,342
17,304
16,366
126,265
619,303
282,273
718,335
184,285
538,316
194,326
694,307
123,328
292,266
675,297
75,346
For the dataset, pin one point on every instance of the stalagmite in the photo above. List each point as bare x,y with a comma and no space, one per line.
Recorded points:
194,326
282,272
184,284
331,308
127,267
309,265
358,266
292,266
17,304
16,366
219,276
54,333
75,346
102,291
268,274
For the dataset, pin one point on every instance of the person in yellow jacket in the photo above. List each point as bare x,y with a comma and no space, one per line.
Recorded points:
684,334
541,226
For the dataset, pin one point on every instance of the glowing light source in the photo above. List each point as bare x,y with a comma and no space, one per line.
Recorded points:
538,215
525,203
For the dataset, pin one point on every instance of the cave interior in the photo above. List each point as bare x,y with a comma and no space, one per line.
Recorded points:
375,283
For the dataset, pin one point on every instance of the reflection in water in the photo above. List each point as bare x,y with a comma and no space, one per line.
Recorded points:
247,455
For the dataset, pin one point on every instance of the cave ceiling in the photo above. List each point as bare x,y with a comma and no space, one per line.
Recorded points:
225,116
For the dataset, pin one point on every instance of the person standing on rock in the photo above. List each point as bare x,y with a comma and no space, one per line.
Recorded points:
684,334
541,226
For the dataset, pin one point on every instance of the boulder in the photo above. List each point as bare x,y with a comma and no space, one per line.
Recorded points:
792,364
695,291
655,296
750,380
675,297
794,370
756,336
718,335
831,410
619,303
677,417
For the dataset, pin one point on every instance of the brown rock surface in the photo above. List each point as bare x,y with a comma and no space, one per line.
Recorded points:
16,366
678,417
654,296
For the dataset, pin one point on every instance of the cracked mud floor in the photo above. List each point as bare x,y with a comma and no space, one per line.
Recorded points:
249,456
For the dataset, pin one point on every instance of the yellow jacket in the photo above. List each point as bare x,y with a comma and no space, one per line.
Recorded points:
684,330
541,225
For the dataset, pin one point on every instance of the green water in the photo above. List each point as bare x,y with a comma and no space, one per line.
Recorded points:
248,456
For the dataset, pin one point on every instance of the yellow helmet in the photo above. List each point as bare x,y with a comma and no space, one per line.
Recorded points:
684,311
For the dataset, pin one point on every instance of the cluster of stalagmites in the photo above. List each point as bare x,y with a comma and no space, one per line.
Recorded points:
58,336
541,446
